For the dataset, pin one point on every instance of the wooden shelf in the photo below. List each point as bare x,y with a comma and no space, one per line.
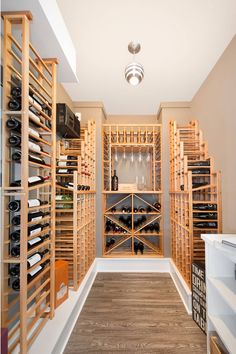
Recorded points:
19,69
132,139
187,147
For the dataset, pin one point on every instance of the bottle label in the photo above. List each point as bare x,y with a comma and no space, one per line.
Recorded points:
59,197
34,240
35,270
34,259
34,147
62,170
33,132
62,163
33,203
33,232
36,218
33,116
33,179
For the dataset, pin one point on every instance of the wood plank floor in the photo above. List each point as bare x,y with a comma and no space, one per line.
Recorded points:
135,313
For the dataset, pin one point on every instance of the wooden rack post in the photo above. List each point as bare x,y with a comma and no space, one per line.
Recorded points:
139,142
193,182
34,79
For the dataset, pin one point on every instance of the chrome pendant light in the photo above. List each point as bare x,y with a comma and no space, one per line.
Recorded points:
134,72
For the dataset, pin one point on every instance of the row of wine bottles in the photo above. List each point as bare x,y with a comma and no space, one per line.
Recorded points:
31,231
138,246
32,181
205,216
202,163
114,228
195,185
206,225
14,271
15,205
33,216
111,226
67,160
70,185
139,209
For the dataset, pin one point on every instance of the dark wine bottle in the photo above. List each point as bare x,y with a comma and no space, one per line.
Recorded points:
16,156
136,247
36,257
201,171
201,206
124,210
110,242
141,247
114,182
135,210
141,209
14,140
113,209
35,216
205,216
14,124
149,209
15,236
157,206
32,181
65,171
15,205
37,240
14,271
14,104
199,184
35,229
200,163
205,225
156,227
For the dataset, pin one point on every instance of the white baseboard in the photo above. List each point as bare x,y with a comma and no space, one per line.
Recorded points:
183,289
55,334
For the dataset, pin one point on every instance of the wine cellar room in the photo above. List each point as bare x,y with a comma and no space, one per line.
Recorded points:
118,231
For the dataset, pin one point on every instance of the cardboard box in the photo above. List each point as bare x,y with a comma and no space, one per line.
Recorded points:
61,282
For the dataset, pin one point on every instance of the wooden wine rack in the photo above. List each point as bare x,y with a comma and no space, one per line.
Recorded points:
25,312
137,141
186,148
75,226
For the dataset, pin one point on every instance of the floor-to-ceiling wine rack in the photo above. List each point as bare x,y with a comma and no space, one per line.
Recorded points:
76,211
193,181
25,312
142,145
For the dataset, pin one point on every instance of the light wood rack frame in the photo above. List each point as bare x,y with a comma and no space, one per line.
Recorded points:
76,224
25,312
133,138
186,148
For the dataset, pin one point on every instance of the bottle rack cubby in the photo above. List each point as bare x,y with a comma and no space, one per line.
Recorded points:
195,196
131,150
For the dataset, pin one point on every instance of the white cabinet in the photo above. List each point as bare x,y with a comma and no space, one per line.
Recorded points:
221,289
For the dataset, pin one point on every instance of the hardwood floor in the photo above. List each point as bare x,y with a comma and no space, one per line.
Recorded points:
135,313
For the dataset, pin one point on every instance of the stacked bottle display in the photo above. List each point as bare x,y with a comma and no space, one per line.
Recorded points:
133,225
75,203
28,185
195,195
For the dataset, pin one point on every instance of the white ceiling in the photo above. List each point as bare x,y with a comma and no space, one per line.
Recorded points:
181,41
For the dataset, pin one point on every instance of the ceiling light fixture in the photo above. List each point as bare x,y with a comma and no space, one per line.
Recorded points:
134,72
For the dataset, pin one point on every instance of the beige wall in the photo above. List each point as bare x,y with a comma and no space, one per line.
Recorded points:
181,113
214,105
62,96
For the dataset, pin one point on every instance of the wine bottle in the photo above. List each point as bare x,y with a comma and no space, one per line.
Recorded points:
201,171
65,171
136,247
199,163
14,271
141,247
124,209
201,206
64,197
114,182
66,163
15,236
36,257
205,225
141,209
149,209
113,209
35,229
195,185
32,181
14,104
15,141
16,156
205,216
156,227
37,240
37,270
14,124
31,275
157,206
15,205
110,242
15,251
34,216
135,210
64,206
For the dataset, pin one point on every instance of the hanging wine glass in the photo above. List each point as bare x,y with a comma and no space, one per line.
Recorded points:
124,154
148,158
132,156
140,156
116,155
